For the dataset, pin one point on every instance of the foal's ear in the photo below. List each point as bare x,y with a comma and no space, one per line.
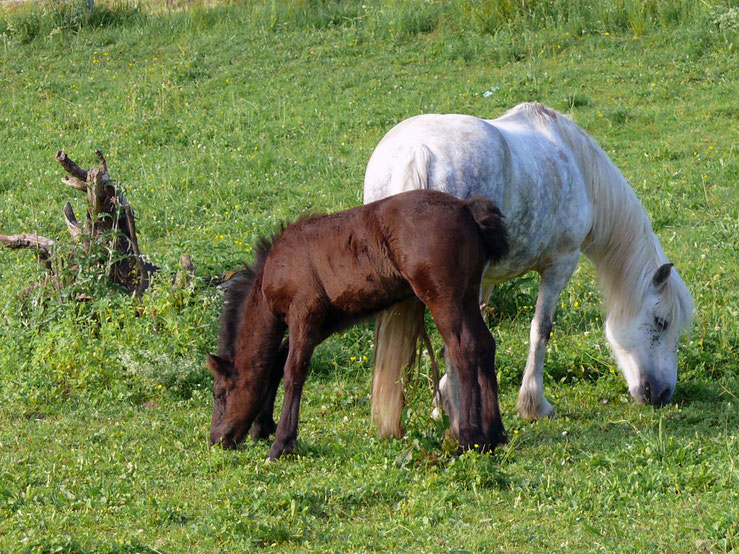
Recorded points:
220,367
661,276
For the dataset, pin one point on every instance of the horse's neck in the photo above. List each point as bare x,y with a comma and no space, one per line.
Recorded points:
624,261
260,333
621,244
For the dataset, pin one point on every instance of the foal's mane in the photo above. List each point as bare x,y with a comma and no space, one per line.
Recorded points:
621,242
237,293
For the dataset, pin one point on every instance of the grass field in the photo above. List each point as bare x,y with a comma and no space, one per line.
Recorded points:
222,121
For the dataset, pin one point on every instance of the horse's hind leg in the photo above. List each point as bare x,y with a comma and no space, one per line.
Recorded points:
531,401
265,425
471,350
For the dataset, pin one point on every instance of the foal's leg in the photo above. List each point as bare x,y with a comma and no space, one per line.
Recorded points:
531,402
482,350
471,350
265,425
492,420
448,397
303,340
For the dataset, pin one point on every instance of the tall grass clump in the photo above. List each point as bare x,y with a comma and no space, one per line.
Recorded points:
49,17
395,18
307,14
84,341
624,15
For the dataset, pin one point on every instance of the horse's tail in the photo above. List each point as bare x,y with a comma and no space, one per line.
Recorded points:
489,220
412,172
398,329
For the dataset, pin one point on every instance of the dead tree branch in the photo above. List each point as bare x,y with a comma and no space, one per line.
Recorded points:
71,167
41,245
109,223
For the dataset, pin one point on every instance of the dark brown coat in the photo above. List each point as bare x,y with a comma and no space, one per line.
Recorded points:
324,273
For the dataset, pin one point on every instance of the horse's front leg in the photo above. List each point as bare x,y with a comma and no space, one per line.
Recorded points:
532,404
302,343
265,425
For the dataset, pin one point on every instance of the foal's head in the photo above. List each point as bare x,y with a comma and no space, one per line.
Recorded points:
227,424
231,399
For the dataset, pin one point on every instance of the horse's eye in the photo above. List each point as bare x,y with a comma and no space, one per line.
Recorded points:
661,323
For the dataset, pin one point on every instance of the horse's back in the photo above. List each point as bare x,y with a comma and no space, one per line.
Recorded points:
455,149
516,161
361,260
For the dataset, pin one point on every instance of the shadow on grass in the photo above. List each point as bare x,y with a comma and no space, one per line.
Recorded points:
690,392
700,409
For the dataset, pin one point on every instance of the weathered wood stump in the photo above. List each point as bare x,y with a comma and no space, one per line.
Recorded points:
108,232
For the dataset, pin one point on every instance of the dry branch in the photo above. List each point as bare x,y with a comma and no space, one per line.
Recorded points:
143,280
27,240
109,223
70,167
41,245
185,274
72,225
103,164
75,183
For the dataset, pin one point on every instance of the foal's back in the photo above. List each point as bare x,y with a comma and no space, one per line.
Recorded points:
353,263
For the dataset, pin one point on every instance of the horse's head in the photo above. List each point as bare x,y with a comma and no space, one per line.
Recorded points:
229,423
645,344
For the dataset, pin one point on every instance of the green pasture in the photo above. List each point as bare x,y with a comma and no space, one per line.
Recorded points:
222,120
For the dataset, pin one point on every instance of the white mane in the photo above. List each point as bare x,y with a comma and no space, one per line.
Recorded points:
621,243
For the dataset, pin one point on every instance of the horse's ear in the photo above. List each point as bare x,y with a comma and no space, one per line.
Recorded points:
220,367
661,275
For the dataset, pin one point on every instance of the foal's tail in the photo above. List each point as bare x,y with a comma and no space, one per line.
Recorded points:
489,220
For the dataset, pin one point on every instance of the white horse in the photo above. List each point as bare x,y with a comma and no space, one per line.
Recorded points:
561,195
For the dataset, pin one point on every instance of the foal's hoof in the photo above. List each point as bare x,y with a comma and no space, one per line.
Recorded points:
278,449
262,430
474,441
477,447
497,435
499,441
482,443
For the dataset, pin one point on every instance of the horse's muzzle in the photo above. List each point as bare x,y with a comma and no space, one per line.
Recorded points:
652,392
224,436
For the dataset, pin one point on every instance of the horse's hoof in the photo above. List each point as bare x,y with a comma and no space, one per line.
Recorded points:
531,410
278,449
263,430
